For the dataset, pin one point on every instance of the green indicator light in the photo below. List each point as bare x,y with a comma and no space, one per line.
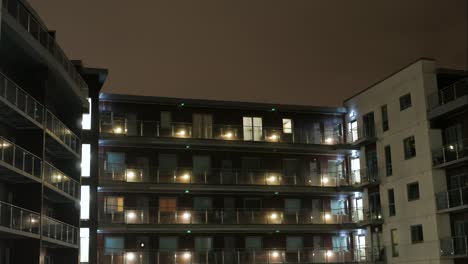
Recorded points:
276,193
189,231
277,231
187,191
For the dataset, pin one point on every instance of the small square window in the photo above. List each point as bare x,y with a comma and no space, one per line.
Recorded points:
409,145
417,234
405,101
413,191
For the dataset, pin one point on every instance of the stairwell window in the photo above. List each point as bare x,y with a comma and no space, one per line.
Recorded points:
417,234
391,203
405,102
409,145
413,191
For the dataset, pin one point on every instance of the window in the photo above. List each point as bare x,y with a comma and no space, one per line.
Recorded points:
84,245
202,203
338,207
86,119
394,237
388,161
113,245
417,234
287,126
85,160
409,144
294,243
167,204
385,126
252,128
391,203
340,243
203,243
352,131
253,242
84,213
166,120
168,243
113,204
413,191
368,124
405,101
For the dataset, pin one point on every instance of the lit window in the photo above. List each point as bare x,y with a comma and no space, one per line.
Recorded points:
86,122
84,245
84,214
287,126
85,160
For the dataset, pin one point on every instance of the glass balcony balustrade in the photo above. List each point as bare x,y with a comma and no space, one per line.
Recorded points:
360,133
164,216
41,34
366,176
19,158
454,246
239,256
141,174
60,231
61,181
19,219
448,94
450,153
452,199
367,216
62,132
139,128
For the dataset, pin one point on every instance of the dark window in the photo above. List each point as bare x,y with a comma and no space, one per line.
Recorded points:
417,234
384,118
391,203
409,144
394,237
368,122
388,161
413,191
405,101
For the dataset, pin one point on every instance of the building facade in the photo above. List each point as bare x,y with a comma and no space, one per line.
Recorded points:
42,99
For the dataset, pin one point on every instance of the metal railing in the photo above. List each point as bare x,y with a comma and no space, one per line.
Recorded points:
60,231
142,128
360,133
39,32
364,216
18,218
454,246
452,198
23,102
62,132
366,176
61,181
144,174
448,94
167,216
238,256
450,152
20,158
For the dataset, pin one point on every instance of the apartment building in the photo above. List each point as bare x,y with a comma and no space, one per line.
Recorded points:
42,98
197,181
413,126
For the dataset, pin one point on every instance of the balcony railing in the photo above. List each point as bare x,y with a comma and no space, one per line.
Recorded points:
61,131
448,94
60,231
61,181
452,199
141,128
23,16
164,216
367,216
238,256
450,153
360,134
454,246
366,176
19,158
25,103
142,174
19,219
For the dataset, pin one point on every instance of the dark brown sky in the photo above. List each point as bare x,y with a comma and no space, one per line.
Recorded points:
315,52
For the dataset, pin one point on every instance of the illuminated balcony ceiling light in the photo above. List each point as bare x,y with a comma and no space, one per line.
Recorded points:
130,174
325,180
329,253
130,256
181,133
328,140
275,254
187,255
117,130
131,215
271,179
5,145
274,137
186,176
451,147
186,215
274,216
327,216
228,135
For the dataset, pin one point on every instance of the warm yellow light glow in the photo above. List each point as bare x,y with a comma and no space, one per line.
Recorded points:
274,216
325,180
186,216
275,254
329,140
5,145
451,147
327,216
33,220
186,176
130,256
130,174
186,255
181,133
131,215
228,135
274,137
271,179
117,130
329,253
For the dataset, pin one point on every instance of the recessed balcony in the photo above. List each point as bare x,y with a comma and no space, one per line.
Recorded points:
450,154
452,200
368,217
62,141
18,221
448,99
154,129
454,247
361,135
17,164
17,107
366,177
241,256
60,182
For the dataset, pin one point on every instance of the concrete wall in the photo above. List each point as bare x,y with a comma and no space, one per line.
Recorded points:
418,79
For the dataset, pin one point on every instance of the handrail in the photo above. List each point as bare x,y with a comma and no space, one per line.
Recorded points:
452,198
66,232
57,178
450,152
61,131
19,218
448,94
20,158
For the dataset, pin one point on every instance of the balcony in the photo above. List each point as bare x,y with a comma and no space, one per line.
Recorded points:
368,217
227,133
221,217
18,221
122,173
55,179
59,233
366,177
454,247
15,162
448,99
452,200
40,33
361,135
238,256
18,108
65,142
450,154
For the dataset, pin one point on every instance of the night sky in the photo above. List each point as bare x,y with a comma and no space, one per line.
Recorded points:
313,52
